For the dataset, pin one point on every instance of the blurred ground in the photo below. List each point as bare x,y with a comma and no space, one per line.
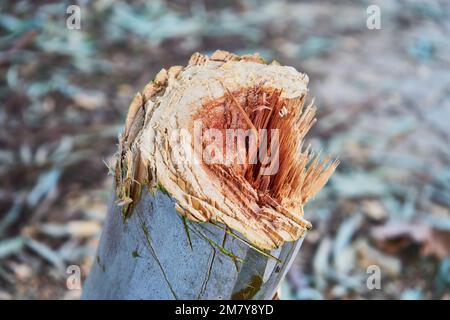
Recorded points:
384,109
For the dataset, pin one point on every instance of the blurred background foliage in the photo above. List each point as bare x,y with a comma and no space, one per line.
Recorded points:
383,99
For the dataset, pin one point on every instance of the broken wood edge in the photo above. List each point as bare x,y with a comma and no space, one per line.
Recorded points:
135,170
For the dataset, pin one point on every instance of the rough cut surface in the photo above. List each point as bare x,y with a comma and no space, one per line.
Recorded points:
224,91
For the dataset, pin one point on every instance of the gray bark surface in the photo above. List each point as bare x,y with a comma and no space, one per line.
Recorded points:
149,256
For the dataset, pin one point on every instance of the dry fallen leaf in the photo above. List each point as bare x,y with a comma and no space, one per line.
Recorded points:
371,256
433,242
374,210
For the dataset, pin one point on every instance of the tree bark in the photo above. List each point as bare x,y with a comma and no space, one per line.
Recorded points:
156,254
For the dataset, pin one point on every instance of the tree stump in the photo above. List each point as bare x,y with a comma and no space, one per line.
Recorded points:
211,179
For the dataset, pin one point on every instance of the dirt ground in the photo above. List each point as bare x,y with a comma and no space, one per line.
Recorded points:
383,99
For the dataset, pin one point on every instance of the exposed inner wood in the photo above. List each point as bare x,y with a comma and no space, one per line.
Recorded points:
226,92
259,108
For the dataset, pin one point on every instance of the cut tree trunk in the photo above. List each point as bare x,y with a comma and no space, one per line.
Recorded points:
156,254
228,229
